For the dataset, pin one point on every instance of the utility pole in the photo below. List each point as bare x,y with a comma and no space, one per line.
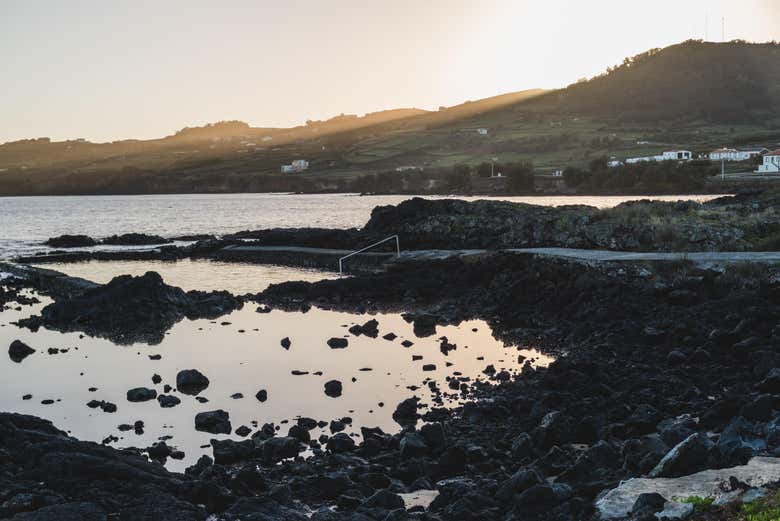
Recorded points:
722,168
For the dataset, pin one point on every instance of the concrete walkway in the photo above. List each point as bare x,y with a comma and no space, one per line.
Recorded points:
708,257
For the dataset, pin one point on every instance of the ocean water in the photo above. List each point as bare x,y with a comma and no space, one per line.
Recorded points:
25,222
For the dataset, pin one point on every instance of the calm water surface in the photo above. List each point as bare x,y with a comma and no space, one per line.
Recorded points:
242,356
237,362
27,221
201,274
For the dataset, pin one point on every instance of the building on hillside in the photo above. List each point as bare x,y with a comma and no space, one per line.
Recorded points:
299,165
612,163
408,168
669,155
770,164
733,154
482,131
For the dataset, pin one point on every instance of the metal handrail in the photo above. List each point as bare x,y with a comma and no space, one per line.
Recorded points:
397,250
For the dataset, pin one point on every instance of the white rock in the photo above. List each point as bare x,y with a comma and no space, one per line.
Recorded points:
617,503
421,498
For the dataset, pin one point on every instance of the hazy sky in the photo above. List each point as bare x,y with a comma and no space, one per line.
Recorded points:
115,69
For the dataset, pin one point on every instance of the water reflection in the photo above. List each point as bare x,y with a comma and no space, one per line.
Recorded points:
200,274
240,353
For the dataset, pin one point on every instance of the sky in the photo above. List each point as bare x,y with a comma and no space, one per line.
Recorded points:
107,70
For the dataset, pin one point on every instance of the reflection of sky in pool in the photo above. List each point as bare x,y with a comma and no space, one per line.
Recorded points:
237,362
205,275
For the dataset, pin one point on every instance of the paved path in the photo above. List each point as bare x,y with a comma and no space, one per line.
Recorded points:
570,253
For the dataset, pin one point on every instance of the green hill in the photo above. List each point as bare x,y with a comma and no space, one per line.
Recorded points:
693,95
721,82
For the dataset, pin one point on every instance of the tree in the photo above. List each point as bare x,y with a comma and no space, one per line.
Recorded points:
459,178
484,169
574,177
598,164
521,177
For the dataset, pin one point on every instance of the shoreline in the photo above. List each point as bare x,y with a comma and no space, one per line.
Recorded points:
554,409
663,370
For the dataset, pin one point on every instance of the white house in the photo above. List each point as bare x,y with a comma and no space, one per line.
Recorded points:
299,165
612,163
732,154
482,131
771,164
669,155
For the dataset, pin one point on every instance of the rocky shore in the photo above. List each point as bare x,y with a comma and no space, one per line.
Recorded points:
740,223
661,372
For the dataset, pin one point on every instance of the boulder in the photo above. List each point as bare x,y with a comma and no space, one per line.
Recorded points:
337,343
340,442
191,381
333,388
167,401
384,499
406,411
687,457
369,329
18,351
214,422
227,452
141,394
646,505
413,445
278,448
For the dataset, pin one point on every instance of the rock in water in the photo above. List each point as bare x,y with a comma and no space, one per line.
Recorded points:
191,381
286,342
71,241
130,309
337,343
214,422
333,388
262,395
135,239
18,351
167,401
141,394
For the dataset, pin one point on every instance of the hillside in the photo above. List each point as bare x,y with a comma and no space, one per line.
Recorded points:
693,95
731,83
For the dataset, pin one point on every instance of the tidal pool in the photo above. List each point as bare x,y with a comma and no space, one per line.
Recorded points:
241,353
201,274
